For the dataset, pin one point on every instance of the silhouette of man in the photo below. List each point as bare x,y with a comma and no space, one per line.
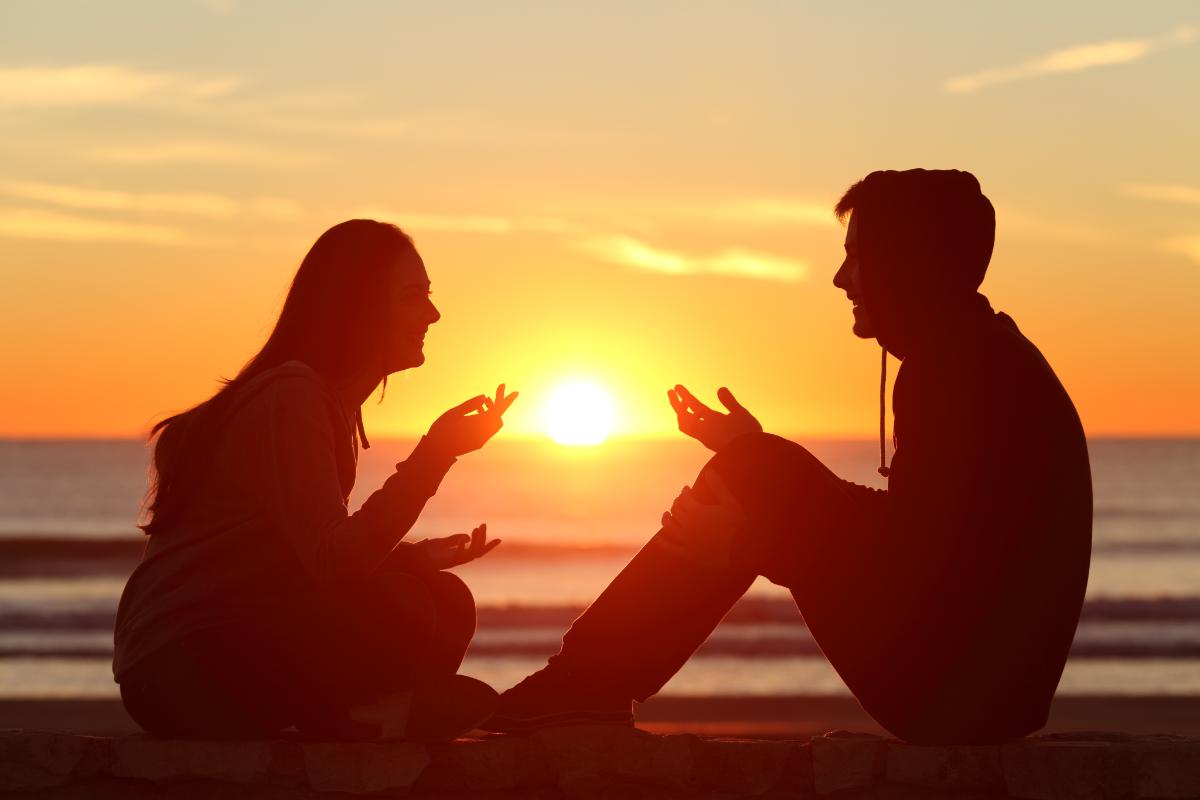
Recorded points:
948,602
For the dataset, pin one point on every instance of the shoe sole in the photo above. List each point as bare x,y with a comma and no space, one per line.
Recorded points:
448,706
502,724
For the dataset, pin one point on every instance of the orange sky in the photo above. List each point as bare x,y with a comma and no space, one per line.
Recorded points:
632,195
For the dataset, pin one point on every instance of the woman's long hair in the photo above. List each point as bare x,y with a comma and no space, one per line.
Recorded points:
333,320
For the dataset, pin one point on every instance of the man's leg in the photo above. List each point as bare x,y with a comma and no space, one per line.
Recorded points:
662,606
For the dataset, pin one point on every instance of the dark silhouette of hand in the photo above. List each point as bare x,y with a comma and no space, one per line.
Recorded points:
711,428
705,533
468,426
460,548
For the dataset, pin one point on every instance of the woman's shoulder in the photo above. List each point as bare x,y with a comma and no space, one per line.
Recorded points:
291,385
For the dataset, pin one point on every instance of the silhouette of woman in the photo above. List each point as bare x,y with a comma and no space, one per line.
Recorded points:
260,602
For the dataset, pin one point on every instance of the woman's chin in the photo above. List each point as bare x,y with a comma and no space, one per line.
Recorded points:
410,360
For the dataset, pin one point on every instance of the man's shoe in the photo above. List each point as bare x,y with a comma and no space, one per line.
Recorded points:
549,698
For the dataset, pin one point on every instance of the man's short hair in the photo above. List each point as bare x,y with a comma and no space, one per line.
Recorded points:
942,215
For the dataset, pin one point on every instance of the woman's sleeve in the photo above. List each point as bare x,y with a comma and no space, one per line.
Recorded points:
288,464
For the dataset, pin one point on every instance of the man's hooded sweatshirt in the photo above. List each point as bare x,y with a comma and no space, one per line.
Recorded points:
989,504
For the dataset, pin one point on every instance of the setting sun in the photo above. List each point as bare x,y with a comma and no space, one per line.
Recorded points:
578,413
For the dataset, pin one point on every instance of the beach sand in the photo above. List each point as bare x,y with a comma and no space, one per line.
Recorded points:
764,717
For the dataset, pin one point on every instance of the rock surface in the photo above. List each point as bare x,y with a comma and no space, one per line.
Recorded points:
599,762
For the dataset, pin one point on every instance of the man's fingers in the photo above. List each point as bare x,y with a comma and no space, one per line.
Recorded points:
686,507
676,402
728,400
690,400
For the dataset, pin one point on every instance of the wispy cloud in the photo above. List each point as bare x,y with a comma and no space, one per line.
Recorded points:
204,151
632,252
1039,226
198,204
1172,193
1074,59
36,223
1186,245
775,211
92,85
466,223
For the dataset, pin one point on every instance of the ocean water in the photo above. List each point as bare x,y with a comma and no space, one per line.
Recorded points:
570,519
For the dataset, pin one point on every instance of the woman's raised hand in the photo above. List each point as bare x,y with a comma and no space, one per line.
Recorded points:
711,428
468,426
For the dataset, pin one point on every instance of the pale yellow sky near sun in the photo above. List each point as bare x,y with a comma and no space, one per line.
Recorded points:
634,194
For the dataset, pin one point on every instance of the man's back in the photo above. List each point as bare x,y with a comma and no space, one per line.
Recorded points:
987,527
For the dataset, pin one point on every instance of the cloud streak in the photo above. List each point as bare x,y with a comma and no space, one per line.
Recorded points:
1073,59
198,204
99,85
631,252
203,151
418,222
1171,193
774,211
1185,245
40,224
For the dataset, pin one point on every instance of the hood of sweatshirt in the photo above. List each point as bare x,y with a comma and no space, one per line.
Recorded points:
925,238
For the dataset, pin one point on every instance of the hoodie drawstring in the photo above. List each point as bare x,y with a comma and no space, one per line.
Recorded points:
884,469
362,432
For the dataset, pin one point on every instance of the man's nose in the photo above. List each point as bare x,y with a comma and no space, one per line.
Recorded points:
434,314
839,277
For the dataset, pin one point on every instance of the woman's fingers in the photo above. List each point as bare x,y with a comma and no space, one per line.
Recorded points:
492,545
474,404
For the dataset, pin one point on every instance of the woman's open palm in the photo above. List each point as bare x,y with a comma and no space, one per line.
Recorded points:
459,548
468,426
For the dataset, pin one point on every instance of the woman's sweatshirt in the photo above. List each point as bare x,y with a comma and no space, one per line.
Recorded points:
270,516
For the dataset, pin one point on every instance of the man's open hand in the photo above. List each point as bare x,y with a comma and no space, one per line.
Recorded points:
711,428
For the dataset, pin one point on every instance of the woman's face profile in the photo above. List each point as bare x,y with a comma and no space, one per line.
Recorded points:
412,312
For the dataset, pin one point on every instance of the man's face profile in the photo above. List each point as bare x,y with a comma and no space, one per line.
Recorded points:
849,280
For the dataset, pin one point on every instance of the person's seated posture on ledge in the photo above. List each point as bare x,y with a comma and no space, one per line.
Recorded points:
948,602
260,602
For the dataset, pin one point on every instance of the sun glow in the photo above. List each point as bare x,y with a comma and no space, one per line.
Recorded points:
578,413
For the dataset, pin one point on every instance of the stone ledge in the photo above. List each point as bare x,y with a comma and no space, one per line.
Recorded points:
600,762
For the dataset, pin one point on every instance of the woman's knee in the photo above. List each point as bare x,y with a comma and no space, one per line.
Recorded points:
454,603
